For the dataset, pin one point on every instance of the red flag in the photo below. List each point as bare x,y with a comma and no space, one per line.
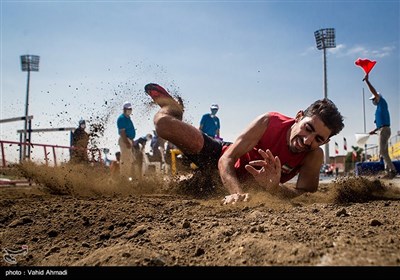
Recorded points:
336,148
365,64
354,155
344,144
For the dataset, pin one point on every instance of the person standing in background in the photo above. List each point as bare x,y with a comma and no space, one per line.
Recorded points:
127,133
138,149
209,123
382,123
140,143
114,166
80,141
157,148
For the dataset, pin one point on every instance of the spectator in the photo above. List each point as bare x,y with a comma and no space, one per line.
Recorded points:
115,166
209,122
157,148
138,150
382,122
80,141
127,133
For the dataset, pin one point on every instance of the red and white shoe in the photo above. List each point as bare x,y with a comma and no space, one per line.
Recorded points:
163,98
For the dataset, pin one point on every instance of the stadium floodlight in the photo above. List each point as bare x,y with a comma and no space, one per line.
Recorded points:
28,63
325,38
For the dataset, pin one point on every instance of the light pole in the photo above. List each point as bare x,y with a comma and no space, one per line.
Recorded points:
28,63
325,38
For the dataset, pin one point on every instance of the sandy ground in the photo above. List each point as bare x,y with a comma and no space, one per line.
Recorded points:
77,217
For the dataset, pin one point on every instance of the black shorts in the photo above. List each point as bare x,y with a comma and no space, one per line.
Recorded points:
209,154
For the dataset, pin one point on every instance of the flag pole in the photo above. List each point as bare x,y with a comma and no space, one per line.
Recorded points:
365,127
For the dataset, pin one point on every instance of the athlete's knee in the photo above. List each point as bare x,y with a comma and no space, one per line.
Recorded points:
162,121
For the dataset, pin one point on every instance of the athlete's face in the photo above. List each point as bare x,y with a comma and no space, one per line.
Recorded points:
308,133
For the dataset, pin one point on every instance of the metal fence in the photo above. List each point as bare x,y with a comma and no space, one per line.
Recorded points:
51,155
394,149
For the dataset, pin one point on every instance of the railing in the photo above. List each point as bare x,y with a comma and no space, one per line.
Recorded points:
47,149
394,149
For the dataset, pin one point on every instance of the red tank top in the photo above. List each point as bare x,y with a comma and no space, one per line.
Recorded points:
274,139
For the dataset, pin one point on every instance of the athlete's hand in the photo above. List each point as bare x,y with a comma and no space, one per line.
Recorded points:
236,197
269,175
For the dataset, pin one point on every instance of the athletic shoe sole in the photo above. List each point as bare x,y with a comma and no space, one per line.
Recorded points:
163,98
156,92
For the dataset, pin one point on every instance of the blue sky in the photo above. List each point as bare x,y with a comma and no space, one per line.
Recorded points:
247,56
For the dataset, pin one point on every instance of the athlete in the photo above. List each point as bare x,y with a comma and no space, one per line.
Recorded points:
270,151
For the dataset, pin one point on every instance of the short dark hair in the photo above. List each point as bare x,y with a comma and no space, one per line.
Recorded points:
327,111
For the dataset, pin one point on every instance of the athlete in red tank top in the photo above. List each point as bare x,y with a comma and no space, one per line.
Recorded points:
274,139
272,149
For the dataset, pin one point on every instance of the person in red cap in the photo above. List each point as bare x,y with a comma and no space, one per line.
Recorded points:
270,151
382,123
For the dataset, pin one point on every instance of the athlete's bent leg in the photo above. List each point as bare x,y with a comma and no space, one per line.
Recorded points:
186,137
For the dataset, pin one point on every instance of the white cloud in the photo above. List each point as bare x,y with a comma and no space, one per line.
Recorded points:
360,51
338,50
384,51
308,51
